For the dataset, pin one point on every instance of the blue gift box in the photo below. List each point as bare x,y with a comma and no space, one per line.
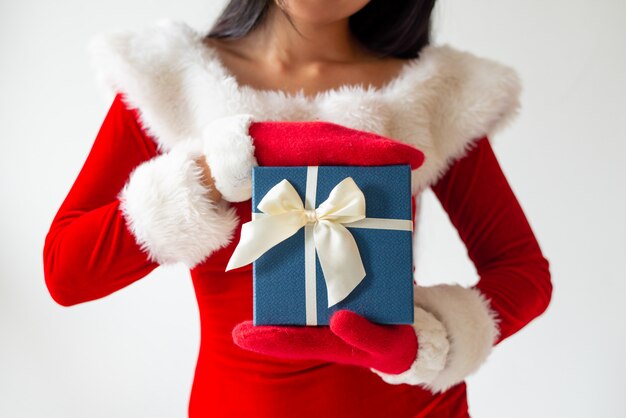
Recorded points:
282,295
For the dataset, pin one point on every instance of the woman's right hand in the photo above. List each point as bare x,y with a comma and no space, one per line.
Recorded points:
228,150
208,179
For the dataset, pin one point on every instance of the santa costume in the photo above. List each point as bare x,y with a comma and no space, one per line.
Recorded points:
139,201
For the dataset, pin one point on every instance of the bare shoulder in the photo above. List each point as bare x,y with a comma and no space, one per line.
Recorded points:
234,48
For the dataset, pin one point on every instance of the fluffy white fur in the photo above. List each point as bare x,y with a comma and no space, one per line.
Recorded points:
167,208
229,151
440,102
471,330
432,352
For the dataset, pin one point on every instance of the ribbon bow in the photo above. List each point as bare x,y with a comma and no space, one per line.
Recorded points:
284,214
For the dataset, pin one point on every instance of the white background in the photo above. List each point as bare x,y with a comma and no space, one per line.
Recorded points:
133,353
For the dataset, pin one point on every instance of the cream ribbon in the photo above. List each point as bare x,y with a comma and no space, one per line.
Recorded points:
284,214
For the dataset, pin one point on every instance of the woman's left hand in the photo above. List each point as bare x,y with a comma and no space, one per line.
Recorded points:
350,339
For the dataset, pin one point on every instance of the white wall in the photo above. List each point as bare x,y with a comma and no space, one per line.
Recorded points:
133,353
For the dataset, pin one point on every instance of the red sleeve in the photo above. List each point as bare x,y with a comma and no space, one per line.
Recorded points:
513,273
89,252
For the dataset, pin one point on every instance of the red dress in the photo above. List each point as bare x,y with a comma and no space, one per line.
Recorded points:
89,253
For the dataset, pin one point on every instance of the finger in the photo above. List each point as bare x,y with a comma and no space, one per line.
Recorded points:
369,336
290,342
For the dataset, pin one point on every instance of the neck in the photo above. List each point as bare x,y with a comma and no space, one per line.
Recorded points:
309,44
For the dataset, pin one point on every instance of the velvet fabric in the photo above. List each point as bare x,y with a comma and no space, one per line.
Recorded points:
89,253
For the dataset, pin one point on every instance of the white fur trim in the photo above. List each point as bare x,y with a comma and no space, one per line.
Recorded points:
229,152
440,102
472,330
432,352
459,99
168,209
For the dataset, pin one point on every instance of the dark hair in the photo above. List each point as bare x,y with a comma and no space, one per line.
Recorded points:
399,28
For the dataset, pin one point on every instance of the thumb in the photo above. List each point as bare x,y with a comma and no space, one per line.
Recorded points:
371,337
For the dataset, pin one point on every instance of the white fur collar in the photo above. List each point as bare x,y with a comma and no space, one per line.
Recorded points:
440,102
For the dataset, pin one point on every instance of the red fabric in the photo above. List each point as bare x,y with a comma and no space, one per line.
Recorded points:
89,253
481,205
293,143
349,339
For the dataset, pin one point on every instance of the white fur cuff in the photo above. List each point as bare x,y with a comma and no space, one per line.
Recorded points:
229,151
432,352
168,209
470,329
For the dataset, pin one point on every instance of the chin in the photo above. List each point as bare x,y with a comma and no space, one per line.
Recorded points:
321,11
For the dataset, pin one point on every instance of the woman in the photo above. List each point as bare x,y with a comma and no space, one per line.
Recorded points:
168,180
